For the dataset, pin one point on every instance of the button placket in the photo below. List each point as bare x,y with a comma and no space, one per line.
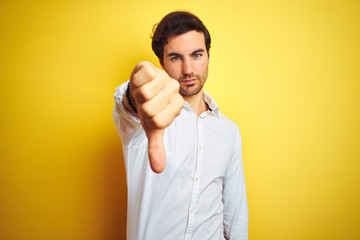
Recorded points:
196,183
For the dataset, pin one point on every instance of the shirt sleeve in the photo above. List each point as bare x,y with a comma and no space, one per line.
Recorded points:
126,124
236,215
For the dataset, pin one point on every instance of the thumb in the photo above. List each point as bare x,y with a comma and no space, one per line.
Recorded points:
156,149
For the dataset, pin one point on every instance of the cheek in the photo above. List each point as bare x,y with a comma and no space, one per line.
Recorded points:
173,71
202,67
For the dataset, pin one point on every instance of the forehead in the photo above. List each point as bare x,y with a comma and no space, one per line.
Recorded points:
185,43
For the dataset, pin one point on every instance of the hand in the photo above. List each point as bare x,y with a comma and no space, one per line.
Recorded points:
158,102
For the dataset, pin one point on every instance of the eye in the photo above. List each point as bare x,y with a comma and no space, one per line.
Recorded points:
175,58
197,55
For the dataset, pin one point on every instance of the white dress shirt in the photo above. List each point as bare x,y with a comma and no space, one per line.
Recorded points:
201,193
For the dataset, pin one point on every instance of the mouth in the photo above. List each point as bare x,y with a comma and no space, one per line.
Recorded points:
189,81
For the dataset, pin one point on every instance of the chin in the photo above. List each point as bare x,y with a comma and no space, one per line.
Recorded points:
190,92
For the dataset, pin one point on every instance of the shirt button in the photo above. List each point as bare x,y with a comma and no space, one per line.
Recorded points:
192,210
199,148
196,179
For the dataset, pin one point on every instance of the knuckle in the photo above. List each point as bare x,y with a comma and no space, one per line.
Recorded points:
143,94
180,101
178,108
142,73
148,72
143,64
178,104
147,110
135,81
172,86
159,123
136,95
176,85
155,123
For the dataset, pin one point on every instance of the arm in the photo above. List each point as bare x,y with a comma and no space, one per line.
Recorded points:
155,100
236,216
129,102
126,124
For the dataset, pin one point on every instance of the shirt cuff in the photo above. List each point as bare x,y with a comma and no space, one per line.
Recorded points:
119,106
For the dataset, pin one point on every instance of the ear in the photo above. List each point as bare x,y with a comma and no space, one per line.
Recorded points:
161,64
208,52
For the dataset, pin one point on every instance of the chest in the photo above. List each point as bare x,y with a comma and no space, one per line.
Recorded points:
198,146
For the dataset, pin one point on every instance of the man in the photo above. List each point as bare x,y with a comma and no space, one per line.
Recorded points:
183,157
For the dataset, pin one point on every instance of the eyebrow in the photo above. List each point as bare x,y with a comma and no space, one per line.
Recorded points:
179,55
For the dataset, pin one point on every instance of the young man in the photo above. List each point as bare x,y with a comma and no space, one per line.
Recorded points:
183,157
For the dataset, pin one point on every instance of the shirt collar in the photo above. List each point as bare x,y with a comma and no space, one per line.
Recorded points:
213,107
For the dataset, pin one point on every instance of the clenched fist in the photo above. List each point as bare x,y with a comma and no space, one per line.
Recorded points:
158,102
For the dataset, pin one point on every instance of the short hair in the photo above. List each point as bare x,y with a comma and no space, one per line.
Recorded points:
174,24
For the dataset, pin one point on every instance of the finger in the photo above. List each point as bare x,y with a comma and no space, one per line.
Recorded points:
161,100
149,90
142,73
156,149
164,118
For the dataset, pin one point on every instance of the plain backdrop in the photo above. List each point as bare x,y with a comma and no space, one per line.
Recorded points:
287,72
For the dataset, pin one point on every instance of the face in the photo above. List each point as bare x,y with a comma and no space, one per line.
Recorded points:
186,59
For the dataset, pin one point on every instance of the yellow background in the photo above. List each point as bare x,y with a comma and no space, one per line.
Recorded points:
287,72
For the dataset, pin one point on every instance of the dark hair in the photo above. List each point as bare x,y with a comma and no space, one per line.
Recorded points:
174,24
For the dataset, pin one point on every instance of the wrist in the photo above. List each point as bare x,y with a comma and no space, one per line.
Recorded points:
130,99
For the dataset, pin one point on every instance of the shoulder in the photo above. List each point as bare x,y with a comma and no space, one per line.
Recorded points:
231,124
215,109
230,127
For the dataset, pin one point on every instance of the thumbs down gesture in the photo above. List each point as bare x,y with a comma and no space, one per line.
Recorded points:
158,102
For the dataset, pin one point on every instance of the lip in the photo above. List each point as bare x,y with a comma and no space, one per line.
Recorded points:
189,81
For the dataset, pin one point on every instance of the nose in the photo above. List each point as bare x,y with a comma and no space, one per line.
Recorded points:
187,66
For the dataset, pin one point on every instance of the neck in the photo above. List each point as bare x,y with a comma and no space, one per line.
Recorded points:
197,103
